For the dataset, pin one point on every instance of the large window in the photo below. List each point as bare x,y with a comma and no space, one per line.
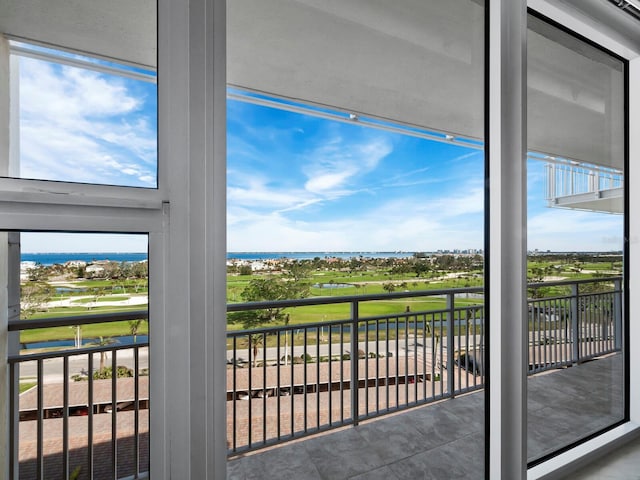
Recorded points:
575,238
80,359
81,119
356,167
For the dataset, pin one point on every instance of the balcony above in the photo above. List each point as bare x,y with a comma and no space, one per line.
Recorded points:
581,187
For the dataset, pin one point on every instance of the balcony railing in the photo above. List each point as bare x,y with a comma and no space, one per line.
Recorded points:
286,382
565,180
72,425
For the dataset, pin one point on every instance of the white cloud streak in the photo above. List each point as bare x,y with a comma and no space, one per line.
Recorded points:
334,164
394,224
79,125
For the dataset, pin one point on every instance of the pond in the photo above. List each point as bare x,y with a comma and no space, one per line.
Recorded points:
86,342
332,285
70,290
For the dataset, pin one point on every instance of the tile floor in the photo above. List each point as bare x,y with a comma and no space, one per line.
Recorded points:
446,440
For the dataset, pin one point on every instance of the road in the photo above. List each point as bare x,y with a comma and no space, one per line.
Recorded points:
78,364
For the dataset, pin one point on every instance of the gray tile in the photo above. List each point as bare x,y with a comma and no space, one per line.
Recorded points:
446,439
274,463
245,468
342,455
395,437
383,473
462,459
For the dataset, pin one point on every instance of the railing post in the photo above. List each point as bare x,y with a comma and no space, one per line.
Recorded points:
575,327
355,414
451,384
617,314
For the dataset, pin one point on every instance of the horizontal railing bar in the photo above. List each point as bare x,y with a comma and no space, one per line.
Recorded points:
301,302
70,353
331,323
572,282
19,325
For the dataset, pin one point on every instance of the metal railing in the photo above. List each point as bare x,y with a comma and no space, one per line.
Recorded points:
282,389
566,180
572,327
82,425
298,380
285,382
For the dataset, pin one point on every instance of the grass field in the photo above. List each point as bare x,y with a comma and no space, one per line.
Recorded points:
358,283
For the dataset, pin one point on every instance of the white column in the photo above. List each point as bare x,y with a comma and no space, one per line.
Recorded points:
507,233
207,210
4,305
188,327
633,269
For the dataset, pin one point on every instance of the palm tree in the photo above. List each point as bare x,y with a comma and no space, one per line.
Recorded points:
103,342
134,326
389,287
286,334
432,331
255,340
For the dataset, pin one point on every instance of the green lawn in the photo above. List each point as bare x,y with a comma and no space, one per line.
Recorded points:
24,386
360,283
112,329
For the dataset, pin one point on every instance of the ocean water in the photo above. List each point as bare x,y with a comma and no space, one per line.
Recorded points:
61,258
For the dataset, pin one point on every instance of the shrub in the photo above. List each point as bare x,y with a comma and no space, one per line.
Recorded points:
106,372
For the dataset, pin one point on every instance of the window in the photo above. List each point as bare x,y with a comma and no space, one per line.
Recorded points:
80,365
83,120
576,249
356,154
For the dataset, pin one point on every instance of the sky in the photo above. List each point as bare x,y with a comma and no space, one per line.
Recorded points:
296,182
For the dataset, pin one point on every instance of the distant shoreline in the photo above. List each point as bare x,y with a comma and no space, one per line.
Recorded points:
48,259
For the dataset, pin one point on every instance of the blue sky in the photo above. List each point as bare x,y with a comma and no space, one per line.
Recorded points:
295,182
83,126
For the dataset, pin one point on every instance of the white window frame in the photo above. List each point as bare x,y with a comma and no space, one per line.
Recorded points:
588,451
186,222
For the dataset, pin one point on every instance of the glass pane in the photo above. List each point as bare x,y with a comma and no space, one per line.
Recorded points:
356,184
575,238
83,120
90,292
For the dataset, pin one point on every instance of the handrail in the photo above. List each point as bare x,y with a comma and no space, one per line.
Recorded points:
395,361
72,352
71,321
86,319
301,302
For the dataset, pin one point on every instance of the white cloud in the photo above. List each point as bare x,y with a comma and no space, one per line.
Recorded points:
408,223
256,192
330,171
79,125
390,231
31,242
336,162
572,230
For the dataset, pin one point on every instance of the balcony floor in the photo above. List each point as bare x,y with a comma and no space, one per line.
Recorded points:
446,439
